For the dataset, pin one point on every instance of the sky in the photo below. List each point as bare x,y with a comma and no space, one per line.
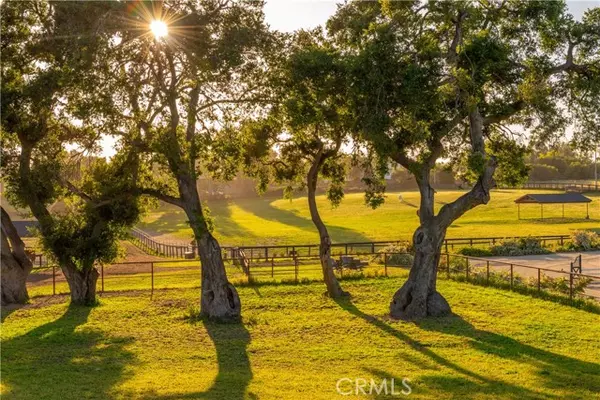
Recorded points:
290,15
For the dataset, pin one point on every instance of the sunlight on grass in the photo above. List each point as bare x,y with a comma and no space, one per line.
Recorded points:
279,221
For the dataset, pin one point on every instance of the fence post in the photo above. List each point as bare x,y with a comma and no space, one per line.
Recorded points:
511,276
346,249
571,287
296,269
488,272
373,248
447,263
539,279
152,278
272,266
53,279
385,263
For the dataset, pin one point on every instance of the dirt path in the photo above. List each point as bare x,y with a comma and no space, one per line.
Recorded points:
133,253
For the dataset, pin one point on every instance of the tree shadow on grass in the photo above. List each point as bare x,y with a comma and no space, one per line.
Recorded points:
555,371
226,226
62,360
264,209
471,383
231,344
174,221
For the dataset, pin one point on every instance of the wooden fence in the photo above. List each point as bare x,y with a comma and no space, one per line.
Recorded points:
562,185
147,243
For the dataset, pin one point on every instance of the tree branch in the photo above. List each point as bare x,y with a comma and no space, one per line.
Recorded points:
176,201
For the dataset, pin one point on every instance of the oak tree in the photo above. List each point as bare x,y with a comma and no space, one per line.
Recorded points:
450,80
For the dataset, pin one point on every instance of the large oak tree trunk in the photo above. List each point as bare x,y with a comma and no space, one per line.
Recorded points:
82,284
334,289
16,264
418,297
219,299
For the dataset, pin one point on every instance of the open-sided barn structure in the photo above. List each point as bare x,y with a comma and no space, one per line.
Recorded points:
559,198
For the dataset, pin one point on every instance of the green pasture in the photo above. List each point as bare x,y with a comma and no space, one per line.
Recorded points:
498,345
267,221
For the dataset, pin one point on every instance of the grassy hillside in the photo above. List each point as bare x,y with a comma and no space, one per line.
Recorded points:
296,344
279,221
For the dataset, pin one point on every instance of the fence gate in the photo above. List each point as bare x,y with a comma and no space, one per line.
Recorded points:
576,265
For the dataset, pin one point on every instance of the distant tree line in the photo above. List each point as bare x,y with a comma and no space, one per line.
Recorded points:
562,163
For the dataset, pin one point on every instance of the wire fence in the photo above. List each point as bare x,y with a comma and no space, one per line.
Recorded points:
572,283
168,274
567,286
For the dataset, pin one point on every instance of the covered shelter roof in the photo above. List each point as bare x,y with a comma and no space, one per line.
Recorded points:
559,198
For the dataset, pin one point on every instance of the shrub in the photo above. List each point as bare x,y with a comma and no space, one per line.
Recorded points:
561,284
520,247
556,285
475,252
396,255
507,248
531,245
585,240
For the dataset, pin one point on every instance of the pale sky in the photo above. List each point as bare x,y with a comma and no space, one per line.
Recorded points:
290,15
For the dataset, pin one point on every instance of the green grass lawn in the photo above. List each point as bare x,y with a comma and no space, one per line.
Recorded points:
278,221
294,343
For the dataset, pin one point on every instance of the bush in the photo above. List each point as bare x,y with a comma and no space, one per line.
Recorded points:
585,240
520,247
475,252
553,285
507,248
396,255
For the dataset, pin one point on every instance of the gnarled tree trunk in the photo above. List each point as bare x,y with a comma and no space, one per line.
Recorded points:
82,284
334,289
219,299
418,297
16,264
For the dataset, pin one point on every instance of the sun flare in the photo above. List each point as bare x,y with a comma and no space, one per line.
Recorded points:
159,28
